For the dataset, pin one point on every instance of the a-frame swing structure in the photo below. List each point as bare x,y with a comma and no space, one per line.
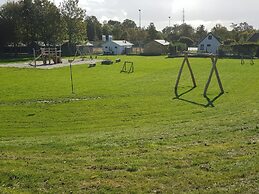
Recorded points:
214,60
186,60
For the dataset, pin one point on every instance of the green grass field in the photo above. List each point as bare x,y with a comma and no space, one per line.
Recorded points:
125,133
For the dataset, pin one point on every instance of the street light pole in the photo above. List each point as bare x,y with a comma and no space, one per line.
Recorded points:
139,18
169,21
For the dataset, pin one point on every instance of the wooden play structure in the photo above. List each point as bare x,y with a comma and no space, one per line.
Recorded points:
214,60
46,54
127,69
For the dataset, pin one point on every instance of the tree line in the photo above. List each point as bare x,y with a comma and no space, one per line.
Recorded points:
30,21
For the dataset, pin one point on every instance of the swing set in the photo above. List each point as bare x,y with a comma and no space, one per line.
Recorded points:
214,60
81,52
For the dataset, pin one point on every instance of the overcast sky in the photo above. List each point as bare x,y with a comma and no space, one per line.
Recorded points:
207,12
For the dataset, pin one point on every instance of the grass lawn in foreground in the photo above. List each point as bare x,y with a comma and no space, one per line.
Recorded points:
125,133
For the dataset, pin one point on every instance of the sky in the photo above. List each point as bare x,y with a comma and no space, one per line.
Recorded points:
197,12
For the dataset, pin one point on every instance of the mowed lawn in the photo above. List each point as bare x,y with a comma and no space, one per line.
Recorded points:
125,133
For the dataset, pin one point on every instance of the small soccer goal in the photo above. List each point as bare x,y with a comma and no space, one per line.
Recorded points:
127,67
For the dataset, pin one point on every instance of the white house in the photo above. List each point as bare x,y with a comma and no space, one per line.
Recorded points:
117,47
209,44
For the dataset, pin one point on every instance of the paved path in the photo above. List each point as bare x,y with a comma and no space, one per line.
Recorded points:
51,66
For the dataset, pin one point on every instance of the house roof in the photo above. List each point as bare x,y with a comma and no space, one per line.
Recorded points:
122,43
210,33
89,44
254,37
162,42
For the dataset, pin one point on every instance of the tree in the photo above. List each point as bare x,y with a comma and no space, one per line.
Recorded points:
94,28
49,26
186,40
10,24
29,21
186,30
152,32
247,49
175,32
115,28
221,32
200,33
126,24
229,41
107,29
125,36
242,31
74,18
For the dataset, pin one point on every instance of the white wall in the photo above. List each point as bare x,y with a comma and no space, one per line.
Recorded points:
213,42
113,48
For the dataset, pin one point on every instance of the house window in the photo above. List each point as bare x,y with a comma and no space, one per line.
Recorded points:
202,47
208,45
106,47
210,37
116,47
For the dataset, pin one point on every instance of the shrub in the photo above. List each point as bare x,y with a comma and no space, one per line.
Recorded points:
246,49
175,48
229,42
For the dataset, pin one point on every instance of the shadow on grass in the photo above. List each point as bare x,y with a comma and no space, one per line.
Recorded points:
211,101
209,104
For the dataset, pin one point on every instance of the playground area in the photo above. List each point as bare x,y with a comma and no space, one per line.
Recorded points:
116,128
51,57
40,65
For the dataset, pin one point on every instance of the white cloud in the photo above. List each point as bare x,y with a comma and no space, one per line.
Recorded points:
207,12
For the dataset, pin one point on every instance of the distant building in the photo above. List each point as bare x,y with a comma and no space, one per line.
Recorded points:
156,47
254,37
116,47
209,44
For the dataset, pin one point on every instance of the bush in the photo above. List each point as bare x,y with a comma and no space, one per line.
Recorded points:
229,42
225,50
177,47
246,49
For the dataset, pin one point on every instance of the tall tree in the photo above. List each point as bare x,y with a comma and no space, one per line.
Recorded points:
186,30
152,32
74,17
49,25
94,28
242,31
107,29
167,31
10,24
126,24
200,33
116,28
221,32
